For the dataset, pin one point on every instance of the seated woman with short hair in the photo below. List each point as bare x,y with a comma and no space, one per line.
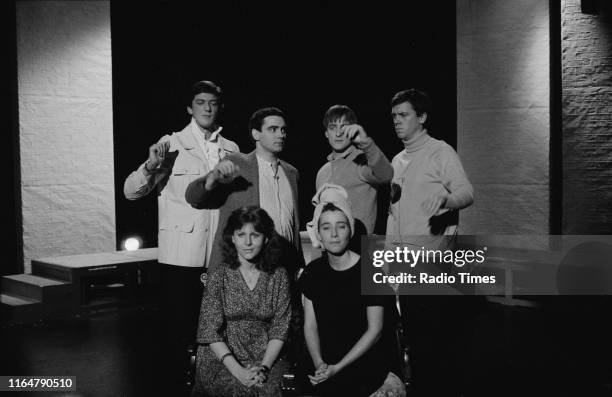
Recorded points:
342,328
245,312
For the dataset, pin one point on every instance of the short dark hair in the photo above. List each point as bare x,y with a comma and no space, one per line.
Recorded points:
261,221
418,99
205,86
258,117
339,112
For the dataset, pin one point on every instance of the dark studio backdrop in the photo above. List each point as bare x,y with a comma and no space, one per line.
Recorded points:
300,58
11,241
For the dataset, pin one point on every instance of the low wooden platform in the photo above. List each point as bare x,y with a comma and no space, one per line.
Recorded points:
75,283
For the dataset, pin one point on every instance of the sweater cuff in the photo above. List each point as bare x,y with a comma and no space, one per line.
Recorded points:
367,145
458,199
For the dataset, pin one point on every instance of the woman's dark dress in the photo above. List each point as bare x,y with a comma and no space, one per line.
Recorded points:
340,311
245,320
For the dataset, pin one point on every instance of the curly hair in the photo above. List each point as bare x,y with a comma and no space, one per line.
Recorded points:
272,250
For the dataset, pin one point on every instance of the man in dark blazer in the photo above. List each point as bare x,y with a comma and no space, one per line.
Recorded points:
259,178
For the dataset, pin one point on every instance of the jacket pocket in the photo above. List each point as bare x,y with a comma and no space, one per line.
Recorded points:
178,217
185,166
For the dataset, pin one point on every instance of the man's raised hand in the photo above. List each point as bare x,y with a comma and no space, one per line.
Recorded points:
356,134
157,153
225,171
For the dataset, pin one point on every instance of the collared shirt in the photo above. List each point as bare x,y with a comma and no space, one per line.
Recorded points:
275,196
210,147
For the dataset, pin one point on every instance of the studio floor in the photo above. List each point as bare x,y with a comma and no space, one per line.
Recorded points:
518,352
111,353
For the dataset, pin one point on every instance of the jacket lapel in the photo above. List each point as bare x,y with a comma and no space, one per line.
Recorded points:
224,145
254,173
292,181
292,176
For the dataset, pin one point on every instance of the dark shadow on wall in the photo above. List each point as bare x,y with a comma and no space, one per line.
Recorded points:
12,233
301,58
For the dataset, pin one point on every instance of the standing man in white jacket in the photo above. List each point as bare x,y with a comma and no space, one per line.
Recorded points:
185,233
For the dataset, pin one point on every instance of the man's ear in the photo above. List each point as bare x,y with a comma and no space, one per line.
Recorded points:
189,110
255,134
326,134
423,118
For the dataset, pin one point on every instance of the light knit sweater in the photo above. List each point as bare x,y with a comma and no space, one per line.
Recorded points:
425,167
360,171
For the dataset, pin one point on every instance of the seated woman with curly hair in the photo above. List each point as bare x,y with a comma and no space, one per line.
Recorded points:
245,312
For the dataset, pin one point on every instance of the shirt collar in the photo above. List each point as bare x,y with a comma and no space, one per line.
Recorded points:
263,161
196,130
335,155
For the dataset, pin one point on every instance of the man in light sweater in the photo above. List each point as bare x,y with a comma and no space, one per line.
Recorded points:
429,188
429,184
356,164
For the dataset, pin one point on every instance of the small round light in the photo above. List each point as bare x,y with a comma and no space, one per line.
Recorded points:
131,244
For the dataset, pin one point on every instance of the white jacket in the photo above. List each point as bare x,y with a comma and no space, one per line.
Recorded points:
183,237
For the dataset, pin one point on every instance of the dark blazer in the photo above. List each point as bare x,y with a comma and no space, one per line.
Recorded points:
242,191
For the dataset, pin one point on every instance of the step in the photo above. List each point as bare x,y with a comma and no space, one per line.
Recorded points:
14,300
37,288
15,308
51,270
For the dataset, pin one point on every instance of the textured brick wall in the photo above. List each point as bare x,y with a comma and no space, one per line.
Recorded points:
503,95
65,127
587,121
